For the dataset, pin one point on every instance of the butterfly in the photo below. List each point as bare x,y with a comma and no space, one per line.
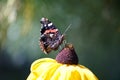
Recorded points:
50,38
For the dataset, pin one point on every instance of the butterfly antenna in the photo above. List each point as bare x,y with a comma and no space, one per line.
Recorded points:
64,41
67,29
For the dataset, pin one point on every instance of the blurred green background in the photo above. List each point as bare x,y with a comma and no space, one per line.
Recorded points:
95,34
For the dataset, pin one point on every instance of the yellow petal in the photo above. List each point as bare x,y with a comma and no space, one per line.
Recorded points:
49,69
85,73
39,66
48,72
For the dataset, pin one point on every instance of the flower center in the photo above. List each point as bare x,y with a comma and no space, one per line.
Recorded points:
67,55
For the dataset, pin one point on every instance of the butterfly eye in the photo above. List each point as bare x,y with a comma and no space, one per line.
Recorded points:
45,21
42,20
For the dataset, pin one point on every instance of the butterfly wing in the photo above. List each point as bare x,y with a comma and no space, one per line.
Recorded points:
50,36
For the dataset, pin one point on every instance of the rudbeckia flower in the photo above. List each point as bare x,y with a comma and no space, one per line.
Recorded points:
64,67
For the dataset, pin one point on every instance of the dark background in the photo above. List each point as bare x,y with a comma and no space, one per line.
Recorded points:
95,34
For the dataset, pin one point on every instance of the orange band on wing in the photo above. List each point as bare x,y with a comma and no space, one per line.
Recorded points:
51,30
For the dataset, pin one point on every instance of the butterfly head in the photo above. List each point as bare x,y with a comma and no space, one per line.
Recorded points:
45,22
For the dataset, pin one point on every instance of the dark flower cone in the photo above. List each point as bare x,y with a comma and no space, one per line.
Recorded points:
67,55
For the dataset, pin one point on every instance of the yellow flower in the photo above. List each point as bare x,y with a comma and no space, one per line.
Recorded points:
50,69
65,67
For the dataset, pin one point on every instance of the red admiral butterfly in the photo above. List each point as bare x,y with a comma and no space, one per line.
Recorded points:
50,38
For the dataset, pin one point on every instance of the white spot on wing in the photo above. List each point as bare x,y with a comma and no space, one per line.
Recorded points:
50,24
51,35
56,29
45,25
